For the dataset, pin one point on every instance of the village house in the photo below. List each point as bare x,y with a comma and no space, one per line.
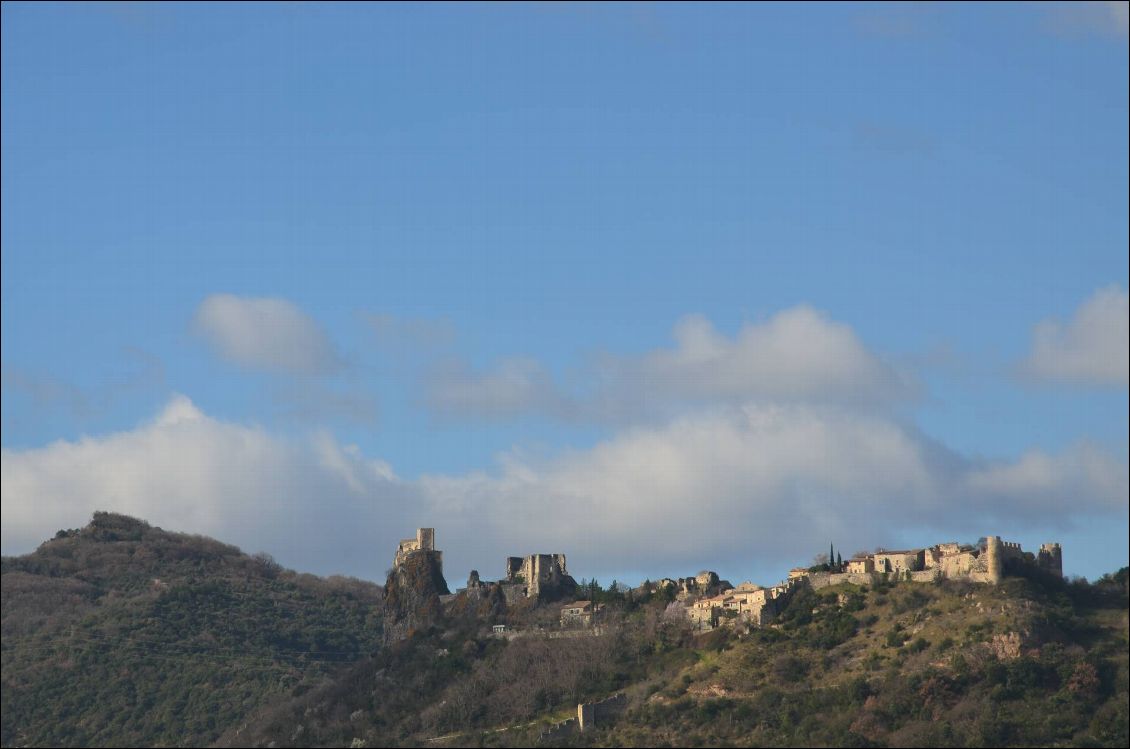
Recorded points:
577,614
898,561
747,604
987,562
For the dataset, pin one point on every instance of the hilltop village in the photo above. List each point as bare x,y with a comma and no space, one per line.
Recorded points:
708,601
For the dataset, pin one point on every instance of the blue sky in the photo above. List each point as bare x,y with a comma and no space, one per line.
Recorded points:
443,253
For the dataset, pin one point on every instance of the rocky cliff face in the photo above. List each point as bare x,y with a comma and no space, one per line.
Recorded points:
412,593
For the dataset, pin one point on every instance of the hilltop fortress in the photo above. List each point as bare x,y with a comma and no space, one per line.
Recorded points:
988,563
540,577
710,602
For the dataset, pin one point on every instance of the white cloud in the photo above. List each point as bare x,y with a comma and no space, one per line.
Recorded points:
796,355
1049,481
760,484
265,333
737,488
1092,349
313,503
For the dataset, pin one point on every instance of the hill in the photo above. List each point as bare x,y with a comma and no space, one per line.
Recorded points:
1032,661
124,634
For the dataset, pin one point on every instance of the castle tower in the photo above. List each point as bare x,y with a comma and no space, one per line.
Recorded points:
1050,559
425,540
994,551
534,582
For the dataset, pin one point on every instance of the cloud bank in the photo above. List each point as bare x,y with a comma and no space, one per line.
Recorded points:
188,472
1092,349
265,333
741,487
796,355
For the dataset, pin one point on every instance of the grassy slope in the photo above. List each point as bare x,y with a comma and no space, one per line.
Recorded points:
124,634
1026,663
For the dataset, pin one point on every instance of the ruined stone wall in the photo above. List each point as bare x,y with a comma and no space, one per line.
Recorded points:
902,561
513,594
590,714
561,728
824,579
538,570
540,575
961,564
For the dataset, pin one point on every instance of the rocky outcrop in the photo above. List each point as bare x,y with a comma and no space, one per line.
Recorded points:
412,594
483,601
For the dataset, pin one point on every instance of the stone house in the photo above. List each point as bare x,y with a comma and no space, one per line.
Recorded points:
577,614
859,566
899,561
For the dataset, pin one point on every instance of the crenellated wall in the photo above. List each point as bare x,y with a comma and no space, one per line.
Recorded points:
1050,559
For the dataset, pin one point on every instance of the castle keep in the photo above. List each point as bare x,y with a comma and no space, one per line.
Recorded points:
538,575
425,540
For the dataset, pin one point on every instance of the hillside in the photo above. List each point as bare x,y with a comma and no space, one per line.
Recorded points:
120,633
124,634
1029,662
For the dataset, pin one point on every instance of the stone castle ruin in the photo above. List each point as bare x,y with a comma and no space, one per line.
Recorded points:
705,583
539,576
416,581
752,605
987,563
425,540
